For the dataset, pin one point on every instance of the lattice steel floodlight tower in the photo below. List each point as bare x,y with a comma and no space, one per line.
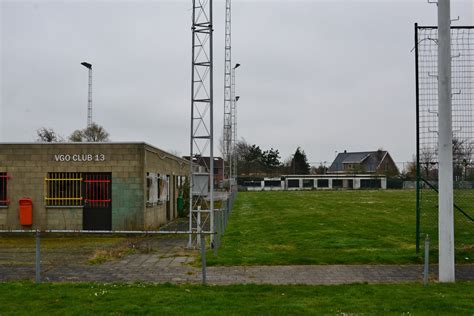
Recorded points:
233,161
89,97
201,193
227,133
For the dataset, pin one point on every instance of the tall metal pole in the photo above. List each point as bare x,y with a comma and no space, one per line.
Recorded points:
211,136
38,257
227,133
234,139
89,101
233,160
89,94
191,139
201,142
418,174
445,144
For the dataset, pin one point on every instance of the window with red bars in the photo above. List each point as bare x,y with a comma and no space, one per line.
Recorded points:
4,201
98,193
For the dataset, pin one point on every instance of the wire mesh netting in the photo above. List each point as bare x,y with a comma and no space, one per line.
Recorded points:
462,83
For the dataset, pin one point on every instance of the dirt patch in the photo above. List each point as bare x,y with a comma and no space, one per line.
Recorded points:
118,251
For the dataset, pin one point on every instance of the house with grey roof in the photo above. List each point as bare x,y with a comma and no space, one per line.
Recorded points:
367,162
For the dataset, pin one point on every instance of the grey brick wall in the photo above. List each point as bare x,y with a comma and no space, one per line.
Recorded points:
29,164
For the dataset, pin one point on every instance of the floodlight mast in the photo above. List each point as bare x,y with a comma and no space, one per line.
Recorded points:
233,157
445,145
201,193
89,97
227,132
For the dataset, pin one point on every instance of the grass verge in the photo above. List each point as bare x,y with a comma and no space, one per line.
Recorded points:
357,299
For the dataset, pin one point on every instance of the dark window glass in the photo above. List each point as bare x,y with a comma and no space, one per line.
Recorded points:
323,183
3,189
308,183
294,183
337,183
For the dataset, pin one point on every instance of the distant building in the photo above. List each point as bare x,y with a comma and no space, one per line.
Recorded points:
203,163
314,182
367,162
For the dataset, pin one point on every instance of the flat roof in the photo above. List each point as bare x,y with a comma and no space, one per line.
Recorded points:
94,143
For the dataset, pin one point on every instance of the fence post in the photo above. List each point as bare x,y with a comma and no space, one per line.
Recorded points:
427,259
203,257
418,174
229,209
38,258
198,225
215,242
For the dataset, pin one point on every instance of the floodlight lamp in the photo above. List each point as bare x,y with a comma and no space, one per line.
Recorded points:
87,65
236,66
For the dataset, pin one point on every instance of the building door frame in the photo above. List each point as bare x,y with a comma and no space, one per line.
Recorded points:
97,211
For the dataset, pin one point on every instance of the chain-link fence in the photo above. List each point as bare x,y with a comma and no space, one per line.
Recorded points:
426,60
463,216
221,217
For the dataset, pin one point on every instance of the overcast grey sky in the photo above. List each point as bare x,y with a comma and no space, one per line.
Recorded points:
323,75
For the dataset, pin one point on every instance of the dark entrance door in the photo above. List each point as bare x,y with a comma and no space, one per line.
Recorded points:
97,192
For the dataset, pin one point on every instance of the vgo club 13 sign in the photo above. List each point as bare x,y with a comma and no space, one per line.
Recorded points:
79,157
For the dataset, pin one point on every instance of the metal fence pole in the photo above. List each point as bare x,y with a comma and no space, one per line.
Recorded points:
215,241
418,174
220,227
38,258
203,258
198,225
427,259
227,213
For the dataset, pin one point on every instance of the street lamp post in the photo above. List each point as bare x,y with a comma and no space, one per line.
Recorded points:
234,139
89,98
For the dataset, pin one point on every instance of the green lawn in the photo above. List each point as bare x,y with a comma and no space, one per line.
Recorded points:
117,299
323,227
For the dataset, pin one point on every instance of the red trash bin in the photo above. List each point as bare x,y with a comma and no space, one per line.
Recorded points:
26,211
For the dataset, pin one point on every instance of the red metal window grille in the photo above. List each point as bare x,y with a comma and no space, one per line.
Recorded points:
97,189
4,201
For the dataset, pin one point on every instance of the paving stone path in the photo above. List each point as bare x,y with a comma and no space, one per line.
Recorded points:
171,262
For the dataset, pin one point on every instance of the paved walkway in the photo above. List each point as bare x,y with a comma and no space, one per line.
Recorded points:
171,262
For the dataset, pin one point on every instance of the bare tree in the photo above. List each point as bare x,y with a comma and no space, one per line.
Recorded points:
48,135
462,157
77,136
94,133
428,163
462,160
